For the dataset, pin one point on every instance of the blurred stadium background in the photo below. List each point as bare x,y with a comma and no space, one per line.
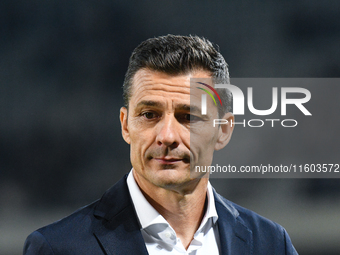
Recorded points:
62,65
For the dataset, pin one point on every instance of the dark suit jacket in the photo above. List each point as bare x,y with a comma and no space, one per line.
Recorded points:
110,226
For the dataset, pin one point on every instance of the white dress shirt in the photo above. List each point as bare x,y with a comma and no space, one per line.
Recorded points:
160,238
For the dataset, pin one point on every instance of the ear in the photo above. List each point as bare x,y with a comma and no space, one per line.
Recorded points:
124,124
225,131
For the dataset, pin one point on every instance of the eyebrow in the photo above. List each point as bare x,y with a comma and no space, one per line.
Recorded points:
148,103
181,107
189,108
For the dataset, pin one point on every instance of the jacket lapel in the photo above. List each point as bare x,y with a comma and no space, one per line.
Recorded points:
117,228
235,238
118,231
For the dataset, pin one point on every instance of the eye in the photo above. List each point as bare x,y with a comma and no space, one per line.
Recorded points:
149,115
188,118
193,118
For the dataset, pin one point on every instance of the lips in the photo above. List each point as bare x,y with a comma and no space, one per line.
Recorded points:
164,156
168,160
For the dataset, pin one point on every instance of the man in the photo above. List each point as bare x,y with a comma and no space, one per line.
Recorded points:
163,206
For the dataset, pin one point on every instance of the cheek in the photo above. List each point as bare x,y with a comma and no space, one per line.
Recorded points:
203,145
139,144
204,135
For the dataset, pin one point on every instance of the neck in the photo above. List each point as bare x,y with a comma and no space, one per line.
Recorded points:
183,208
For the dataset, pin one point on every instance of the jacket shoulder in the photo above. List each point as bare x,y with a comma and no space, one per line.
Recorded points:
81,217
65,234
267,235
75,234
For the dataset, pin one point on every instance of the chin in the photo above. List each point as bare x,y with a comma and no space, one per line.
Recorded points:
172,179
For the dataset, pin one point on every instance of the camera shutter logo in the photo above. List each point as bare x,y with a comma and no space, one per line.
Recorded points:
204,97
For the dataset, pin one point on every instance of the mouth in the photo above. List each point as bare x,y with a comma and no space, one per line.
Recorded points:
168,160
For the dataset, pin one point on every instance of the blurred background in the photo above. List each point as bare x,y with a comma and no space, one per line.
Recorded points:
62,65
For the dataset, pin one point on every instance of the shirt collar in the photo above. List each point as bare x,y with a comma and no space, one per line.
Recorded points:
148,215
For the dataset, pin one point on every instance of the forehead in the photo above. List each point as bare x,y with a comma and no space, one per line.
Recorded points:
152,85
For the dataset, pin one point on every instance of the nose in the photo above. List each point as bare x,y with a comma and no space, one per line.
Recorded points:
168,132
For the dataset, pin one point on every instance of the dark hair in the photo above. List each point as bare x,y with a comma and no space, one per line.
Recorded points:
175,55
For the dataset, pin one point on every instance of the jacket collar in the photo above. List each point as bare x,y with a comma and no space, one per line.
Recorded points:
118,230
117,227
235,237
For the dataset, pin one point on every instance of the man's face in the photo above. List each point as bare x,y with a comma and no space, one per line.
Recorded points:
168,135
